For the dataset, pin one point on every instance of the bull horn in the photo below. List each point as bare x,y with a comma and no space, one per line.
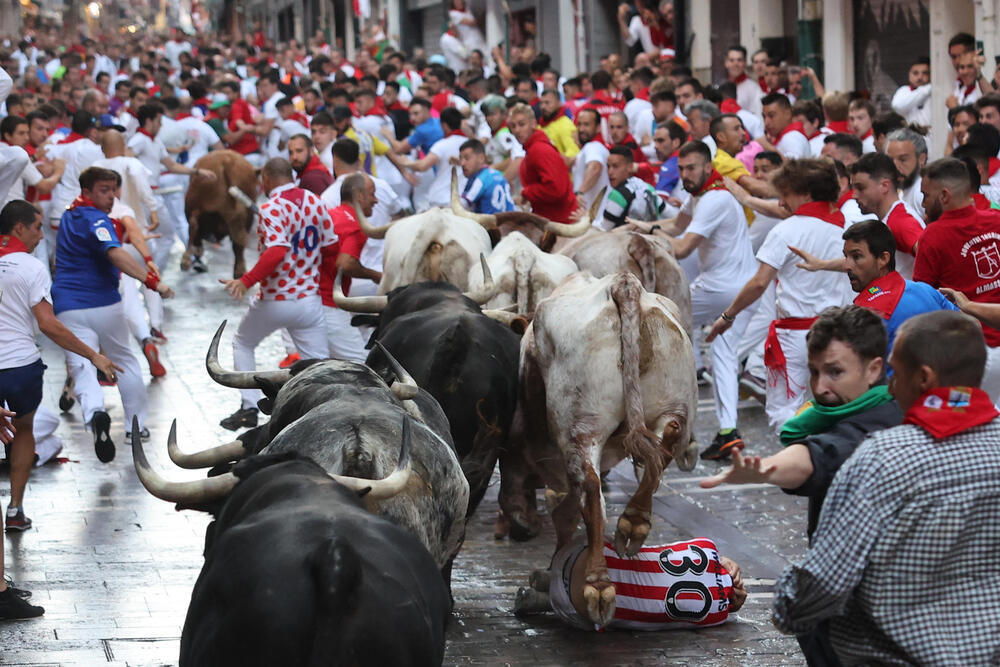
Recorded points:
487,221
382,489
505,317
404,387
186,493
231,451
489,288
572,230
356,304
366,227
238,379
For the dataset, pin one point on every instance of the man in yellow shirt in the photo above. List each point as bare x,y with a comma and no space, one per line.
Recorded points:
369,145
557,126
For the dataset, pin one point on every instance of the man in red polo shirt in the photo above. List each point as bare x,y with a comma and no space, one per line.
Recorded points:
961,249
241,125
312,174
357,194
545,182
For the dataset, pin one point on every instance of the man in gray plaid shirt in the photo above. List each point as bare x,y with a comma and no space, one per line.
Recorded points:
903,565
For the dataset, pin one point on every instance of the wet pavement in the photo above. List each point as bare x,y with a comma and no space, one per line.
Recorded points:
114,567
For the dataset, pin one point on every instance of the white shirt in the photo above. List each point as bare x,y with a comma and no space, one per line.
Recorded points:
816,143
752,123
964,97
794,146
804,293
445,149
868,144
24,282
129,122
639,32
634,109
913,104
852,213
592,151
202,135
136,191
78,155
28,176
914,199
904,260
725,256
270,110
748,94
470,35
150,152
326,157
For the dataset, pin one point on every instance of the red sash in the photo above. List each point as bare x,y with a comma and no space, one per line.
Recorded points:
824,210
883,294
545,120
774,356
11,244
146,132
946,411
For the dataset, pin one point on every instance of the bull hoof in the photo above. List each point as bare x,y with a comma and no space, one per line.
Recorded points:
600,597
539,580
689,458
528,601
521,528
501,527
633,528
185,263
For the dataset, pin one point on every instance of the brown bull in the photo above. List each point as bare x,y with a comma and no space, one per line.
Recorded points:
213,213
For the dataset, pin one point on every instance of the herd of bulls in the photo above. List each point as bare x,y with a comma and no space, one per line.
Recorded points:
337,521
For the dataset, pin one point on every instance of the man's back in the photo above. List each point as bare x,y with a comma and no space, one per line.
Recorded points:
78,155
84,277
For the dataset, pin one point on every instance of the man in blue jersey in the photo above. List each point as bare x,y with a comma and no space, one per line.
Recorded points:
668,139
486,191
870,263
85,298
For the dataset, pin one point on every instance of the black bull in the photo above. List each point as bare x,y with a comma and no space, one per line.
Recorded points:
298,572
464,359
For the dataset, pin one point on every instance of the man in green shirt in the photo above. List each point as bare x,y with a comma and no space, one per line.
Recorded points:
629,196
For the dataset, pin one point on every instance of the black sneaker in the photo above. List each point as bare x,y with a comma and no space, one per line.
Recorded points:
103,445
723,445
13,607
16,521
702,372
143,435
753,386
19,592
242,418
104,380
198,265
66,399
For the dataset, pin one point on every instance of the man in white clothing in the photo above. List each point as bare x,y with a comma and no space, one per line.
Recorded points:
14,132
912,101
590,173
440,156
269,96
908,149
748,92
787,136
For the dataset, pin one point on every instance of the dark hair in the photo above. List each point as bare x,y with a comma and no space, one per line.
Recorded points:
474,145
965,108
773,157
951,343
776,98
135,90
877,166
689,81
363,92
985,135
322,118
600,80
643,74
82,122
283,102
949,171
346,150
304,137
278,169
584,110
876,235
858,328
231,85
988,100
973,157
621,151
9,124
812,176
715,127
693,147
963,39
421,102
451,117
392,84
677,133
726,90
196,90
341,112
847,142
37,114
861,103
270,75
887,122
148,112
738,47
17,211
93,175
664,96
123,83
171,103
352,186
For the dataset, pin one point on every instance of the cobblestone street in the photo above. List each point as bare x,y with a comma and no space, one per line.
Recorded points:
114,567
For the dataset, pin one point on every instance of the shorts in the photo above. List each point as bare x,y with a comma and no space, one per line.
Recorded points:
21,387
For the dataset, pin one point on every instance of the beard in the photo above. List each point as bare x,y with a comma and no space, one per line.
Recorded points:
909,180
829,402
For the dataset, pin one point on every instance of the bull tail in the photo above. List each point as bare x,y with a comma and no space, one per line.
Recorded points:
337,572
642,255
522,275
434,251
639,442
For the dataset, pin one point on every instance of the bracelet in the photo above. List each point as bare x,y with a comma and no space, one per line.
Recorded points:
654,228
725,316
147,258
152,280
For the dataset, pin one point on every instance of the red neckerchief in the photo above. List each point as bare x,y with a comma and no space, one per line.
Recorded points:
377,110
814,134
866,134
545,120
968,90
455,133
314,164
946,411
502,126
143,130
82,201
630,143
981,203
822,210
643,94
30,149
994,166
791,127
201,102
740,79
729,106
294,195
397,106
599,139
11,244
763,86
182,116
837,126
299,118
882,295
71,137
603,97
713,182
844,198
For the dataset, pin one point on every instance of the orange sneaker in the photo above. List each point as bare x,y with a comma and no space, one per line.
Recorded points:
156,369
289,360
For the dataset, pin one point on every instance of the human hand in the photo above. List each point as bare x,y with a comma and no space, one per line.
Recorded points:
623,10
151,266
106,366
951,102
745,470
154,221
719,327
235,287
956,297
207,174
165,291
809,263
736,189
7,429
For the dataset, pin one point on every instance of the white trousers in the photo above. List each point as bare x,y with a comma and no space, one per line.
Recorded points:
304,320
344,341
752,344
991,377
785,399
47,443
705,308
174,203
105,328
135,310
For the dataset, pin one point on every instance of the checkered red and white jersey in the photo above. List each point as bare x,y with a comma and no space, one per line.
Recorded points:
298,220
670,586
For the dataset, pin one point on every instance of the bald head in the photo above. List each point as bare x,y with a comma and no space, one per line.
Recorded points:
113,143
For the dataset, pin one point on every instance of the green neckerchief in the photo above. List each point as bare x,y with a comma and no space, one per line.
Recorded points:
820,418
